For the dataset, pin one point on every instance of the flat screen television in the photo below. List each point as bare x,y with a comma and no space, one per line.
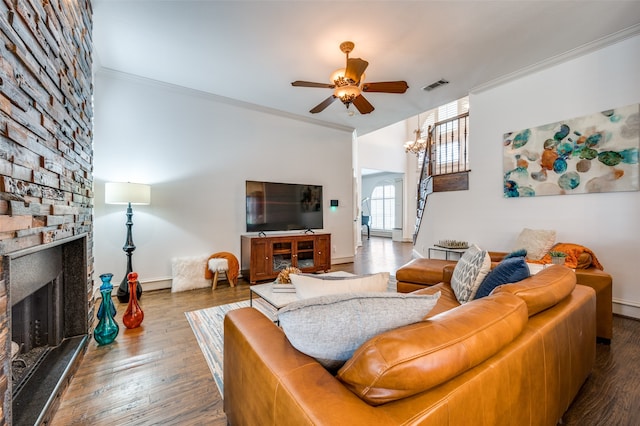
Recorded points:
283,206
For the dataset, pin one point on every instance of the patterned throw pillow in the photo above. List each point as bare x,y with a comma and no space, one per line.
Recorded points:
508,271
469,273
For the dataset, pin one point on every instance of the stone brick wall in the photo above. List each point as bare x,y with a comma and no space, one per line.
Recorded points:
46,157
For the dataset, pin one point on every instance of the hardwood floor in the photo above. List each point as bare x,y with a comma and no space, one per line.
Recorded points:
156,374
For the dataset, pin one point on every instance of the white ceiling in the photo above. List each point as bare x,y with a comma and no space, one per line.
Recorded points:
251,51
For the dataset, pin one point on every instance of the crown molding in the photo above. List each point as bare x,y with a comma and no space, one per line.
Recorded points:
585,49
120,75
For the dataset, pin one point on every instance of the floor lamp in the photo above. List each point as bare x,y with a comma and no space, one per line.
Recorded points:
127,193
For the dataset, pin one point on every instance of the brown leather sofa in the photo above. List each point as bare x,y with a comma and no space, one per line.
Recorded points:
518,356
420,273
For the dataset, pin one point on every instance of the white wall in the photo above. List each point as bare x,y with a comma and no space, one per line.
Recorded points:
197,151
608,223
383,150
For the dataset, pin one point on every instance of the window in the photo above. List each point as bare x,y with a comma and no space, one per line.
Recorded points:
449,149
383,207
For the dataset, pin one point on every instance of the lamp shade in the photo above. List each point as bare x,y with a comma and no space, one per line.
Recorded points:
125,193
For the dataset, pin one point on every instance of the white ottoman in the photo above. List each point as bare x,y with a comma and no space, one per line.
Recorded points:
216,266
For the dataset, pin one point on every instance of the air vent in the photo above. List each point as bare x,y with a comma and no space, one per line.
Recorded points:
438,83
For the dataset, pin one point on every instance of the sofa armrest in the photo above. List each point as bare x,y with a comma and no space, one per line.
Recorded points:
419,273
447,273
268,381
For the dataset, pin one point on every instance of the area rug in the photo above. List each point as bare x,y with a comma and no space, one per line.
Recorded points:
208,327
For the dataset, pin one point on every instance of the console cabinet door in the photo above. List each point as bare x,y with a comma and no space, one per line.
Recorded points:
323,253
260,260
304,258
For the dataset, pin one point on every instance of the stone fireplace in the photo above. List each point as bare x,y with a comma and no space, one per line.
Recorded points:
46,199
49,328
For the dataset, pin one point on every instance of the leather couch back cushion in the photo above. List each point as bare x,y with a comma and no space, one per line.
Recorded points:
412,359
544,289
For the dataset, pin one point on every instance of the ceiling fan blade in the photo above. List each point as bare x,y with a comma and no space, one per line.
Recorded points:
299,83
355,69
322,105
363,105
386,87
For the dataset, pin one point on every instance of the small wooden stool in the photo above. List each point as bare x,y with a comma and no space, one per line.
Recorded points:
216,266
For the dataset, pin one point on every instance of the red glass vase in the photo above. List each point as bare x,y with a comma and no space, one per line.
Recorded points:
133,316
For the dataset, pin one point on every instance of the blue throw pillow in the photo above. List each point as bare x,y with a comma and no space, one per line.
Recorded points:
510,270
517,253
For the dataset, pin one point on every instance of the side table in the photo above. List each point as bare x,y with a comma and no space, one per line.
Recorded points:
447,251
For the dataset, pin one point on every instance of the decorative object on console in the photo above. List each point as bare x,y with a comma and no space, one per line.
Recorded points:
283,276
453,244
127,193
355,318
134,315
107,329
593,153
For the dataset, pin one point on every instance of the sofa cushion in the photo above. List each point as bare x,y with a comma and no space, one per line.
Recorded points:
510,270
314,286
330,328
469,272
544,289
537,242
410,360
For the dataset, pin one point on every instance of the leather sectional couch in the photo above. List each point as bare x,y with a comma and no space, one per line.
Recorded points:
420,273
518,356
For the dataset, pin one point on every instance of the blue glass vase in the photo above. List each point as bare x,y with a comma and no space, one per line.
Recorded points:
107,329
106,282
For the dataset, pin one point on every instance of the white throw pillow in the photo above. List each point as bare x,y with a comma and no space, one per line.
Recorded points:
188,273
537,242
310,286
330,328
470,271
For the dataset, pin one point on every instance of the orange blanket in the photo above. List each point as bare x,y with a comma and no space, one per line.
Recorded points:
234,266
573,252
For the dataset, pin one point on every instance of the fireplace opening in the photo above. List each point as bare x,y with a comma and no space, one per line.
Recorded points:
35,327
49,324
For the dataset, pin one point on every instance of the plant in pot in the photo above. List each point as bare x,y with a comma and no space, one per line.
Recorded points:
557,257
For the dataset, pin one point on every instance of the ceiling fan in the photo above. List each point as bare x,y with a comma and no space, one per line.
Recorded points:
348,84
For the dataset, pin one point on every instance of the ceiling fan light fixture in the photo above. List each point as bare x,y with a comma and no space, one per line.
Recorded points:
348,85
337,76
347,93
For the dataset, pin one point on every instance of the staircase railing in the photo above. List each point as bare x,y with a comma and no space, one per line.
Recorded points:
446,152
425,185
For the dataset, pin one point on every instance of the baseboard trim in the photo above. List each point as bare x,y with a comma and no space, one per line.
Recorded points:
340,260
626,308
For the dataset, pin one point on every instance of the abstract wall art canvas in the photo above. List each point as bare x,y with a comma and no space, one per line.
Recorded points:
593,153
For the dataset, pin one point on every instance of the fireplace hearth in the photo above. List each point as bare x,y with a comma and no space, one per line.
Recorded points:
47,287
